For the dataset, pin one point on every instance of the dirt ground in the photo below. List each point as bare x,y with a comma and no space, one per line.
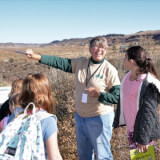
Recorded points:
62,85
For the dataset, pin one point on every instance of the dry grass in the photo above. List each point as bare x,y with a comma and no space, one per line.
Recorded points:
13,65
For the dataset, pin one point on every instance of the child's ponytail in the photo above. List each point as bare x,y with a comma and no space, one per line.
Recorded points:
145,64
149,67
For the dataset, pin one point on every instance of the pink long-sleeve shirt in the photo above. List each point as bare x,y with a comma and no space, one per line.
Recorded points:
131,99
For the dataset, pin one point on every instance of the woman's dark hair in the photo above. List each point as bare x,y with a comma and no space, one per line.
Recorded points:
139,55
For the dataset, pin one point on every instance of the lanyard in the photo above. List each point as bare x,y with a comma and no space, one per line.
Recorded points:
88,79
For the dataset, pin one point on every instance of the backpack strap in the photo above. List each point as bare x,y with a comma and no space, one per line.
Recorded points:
40,115
33,109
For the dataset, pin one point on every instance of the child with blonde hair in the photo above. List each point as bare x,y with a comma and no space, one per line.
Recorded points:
4,110
14,106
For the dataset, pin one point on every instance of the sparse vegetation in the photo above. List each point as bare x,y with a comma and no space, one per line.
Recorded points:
63,89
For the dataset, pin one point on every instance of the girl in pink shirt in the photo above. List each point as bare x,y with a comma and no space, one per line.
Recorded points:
139,99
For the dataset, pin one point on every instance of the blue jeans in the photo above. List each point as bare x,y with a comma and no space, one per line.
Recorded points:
93,135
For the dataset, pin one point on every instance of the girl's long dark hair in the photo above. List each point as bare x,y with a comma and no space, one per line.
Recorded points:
145,64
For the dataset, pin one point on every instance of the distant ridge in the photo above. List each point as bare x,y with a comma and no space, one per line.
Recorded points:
20,44
113,39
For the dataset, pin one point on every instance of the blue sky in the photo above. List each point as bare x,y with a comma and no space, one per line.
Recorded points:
42,21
